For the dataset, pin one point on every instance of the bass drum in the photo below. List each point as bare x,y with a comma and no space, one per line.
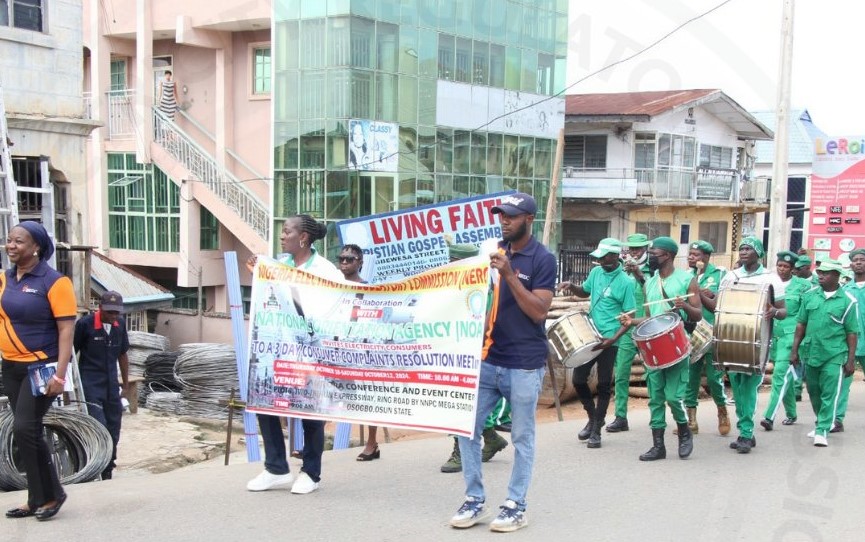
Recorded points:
572,338
742,335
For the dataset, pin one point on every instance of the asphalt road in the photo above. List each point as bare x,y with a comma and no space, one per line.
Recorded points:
785,490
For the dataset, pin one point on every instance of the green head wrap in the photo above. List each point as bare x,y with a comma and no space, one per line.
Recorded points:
754,243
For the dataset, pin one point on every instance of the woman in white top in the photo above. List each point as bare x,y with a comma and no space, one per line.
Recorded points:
298,234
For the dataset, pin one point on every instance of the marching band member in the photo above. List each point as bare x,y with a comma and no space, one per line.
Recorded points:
708,279
784,375
856,288
668,288
802,269
831,319
745,385
636,266
612,292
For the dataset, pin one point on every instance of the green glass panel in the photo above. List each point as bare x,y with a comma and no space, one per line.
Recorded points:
285,137
497,66
388,10
387,47
312,99
530,28
513,71
285,195
387,97
408,157
286,9
338,196
461,186
514,22
543,158
530,71
462,151
426,151
362,95
286,90
310,9
511,155
312,38
480,63
479,153
209,230
444,187
408,54
444,149
447,16
481,19
407,188
338,7
339,95
463,61
362,42
425,190
337,143
338,41
407,100
287,37
494,154
527,156
463,18
446,57
312,144
364,8
408,12
428,52
427,91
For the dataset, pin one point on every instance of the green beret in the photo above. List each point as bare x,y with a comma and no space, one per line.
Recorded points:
636,240
458,252
857,251
667,244
802,262
787,256
754,243
704,246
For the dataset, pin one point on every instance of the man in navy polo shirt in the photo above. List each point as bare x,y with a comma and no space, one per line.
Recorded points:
101,341
514,358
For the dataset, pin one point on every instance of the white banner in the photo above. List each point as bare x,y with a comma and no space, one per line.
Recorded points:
401,354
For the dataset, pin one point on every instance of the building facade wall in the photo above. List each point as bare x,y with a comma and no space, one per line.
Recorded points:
394,62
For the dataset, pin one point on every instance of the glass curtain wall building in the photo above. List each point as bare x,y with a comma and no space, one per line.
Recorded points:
381,105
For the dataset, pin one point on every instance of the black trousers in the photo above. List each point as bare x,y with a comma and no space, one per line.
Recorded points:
43,484
606,362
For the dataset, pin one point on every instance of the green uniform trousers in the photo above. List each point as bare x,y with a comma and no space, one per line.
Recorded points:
668,386
783,390
824,388
745,388
714,378
624,360
845,391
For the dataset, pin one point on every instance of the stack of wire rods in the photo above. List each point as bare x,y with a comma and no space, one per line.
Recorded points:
159,374
164,401
207,372
82,448
142,345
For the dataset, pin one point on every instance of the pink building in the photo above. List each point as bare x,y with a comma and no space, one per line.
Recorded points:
169,196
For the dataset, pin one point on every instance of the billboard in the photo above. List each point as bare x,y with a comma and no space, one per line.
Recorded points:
837,196
373,146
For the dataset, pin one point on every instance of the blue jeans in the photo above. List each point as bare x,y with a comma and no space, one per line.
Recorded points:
275,461
521,389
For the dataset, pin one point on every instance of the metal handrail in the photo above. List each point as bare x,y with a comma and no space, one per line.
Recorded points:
236,157
205,168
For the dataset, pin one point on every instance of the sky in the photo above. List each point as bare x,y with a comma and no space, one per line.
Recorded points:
736,49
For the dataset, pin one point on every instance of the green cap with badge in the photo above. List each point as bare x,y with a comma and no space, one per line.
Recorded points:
607,246
703,246
830,265
802,262
636,240
788,256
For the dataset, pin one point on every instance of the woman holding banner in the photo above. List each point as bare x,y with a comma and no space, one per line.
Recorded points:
298,234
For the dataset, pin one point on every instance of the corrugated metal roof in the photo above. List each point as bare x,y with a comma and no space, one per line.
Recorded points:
651,103
106,274
643,106
802,132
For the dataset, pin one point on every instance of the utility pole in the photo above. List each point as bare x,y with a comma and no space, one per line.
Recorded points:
778,203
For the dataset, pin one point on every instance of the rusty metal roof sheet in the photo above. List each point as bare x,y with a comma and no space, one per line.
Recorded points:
106,274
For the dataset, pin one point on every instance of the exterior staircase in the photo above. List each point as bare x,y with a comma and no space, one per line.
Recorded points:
218,190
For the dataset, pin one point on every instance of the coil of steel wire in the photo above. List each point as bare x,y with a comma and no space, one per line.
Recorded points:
82,448
142,345
207,372
159,375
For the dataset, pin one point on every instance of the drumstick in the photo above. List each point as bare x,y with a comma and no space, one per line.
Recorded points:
667,300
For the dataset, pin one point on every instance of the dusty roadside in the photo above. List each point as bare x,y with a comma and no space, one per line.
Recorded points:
152,442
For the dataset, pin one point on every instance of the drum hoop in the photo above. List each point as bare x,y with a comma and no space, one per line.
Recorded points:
644,338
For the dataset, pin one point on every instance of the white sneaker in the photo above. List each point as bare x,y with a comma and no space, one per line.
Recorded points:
812,433
266,480
821,441
304,485
509,519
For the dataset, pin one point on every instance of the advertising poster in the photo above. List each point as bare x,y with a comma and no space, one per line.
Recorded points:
373,146
837,195
403,243
401,354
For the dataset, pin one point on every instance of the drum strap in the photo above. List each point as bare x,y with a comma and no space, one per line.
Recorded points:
689,325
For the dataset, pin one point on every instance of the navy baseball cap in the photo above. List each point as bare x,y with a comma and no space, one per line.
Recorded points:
516,204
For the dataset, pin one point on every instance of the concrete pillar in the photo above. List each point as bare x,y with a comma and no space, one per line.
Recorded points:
96,225
143,79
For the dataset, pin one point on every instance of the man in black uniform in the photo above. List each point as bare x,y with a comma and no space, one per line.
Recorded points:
102,341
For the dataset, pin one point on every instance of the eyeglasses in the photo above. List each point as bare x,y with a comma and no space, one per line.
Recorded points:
347,259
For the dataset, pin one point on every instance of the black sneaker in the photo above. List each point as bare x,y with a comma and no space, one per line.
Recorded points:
743,445
767,424
837,427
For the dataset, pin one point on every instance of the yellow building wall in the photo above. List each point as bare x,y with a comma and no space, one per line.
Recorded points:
677,216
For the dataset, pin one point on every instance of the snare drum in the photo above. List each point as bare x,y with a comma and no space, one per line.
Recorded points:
662,341
742,336
701,340
572,337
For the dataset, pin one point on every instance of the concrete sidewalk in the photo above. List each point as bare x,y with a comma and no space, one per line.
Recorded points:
786,489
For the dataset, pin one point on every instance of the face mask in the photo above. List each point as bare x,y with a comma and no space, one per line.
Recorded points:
642,259
654,265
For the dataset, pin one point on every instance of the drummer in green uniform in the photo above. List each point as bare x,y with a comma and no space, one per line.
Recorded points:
856,287
830,318
611,292
708,279
637,266
668,288
784,376
745,384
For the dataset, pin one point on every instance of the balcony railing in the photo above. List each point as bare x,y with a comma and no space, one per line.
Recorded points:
704,184
121,114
